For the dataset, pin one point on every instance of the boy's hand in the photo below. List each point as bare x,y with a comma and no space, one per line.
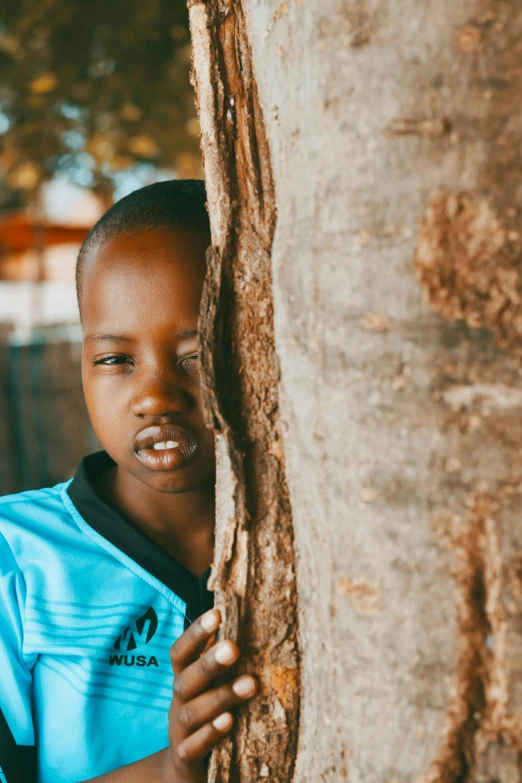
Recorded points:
199,715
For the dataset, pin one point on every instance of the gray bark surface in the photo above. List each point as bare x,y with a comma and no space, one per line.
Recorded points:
394,130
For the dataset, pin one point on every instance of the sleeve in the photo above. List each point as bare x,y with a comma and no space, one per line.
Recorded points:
17,739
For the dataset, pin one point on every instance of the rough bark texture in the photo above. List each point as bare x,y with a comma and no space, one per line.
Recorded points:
395,131
254,566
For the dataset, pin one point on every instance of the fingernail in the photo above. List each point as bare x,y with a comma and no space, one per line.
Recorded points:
209,621
245,686
223,722
225,653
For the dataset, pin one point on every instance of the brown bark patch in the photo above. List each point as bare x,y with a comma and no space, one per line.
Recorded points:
478,713
468,38
467,265
413,126
375,322
365,595
354,25
283,682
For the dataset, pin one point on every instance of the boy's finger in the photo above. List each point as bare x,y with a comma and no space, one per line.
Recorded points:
211,642
209,705
200,675
199,744
191,644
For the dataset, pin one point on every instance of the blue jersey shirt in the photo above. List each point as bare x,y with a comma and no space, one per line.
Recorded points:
89,607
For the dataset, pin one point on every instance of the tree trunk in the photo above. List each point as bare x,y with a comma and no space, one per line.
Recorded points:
361,336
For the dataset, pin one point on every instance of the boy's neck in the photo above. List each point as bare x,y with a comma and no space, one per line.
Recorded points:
182,524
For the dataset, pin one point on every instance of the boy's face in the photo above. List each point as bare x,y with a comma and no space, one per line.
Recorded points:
140,308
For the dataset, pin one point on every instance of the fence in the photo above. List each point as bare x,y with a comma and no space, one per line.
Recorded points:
44,427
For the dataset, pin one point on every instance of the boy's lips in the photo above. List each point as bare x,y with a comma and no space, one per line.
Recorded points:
165,458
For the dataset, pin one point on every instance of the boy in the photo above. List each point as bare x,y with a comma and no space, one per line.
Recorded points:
101,574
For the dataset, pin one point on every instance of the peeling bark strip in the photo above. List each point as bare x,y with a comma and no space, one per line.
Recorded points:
478,713
254,570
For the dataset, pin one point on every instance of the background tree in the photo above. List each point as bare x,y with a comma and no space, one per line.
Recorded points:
91,89
364,170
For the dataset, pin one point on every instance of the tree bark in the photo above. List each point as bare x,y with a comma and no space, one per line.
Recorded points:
361,340
254,567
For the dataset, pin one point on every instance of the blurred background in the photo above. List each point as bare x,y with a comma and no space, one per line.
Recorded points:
95,102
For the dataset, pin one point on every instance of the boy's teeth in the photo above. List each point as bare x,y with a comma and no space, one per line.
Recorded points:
161,446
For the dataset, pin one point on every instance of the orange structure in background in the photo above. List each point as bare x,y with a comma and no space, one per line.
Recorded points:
25,243
18,233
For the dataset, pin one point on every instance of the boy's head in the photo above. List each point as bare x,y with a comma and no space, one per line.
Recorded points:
164,205
139,276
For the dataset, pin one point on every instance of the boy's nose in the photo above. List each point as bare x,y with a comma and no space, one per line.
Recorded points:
160,396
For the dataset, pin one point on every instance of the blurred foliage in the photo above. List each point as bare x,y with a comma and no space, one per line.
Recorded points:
93,89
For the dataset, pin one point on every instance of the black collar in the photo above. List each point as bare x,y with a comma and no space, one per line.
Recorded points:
134,542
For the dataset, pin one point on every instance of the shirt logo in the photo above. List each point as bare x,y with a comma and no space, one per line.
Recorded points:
127,640
139,634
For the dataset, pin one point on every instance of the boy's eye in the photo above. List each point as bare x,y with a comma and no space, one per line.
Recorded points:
112,361
190,363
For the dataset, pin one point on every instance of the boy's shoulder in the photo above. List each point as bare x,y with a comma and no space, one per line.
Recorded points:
36,513
21,502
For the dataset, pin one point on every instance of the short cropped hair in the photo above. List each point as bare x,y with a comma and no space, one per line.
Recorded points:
179,203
